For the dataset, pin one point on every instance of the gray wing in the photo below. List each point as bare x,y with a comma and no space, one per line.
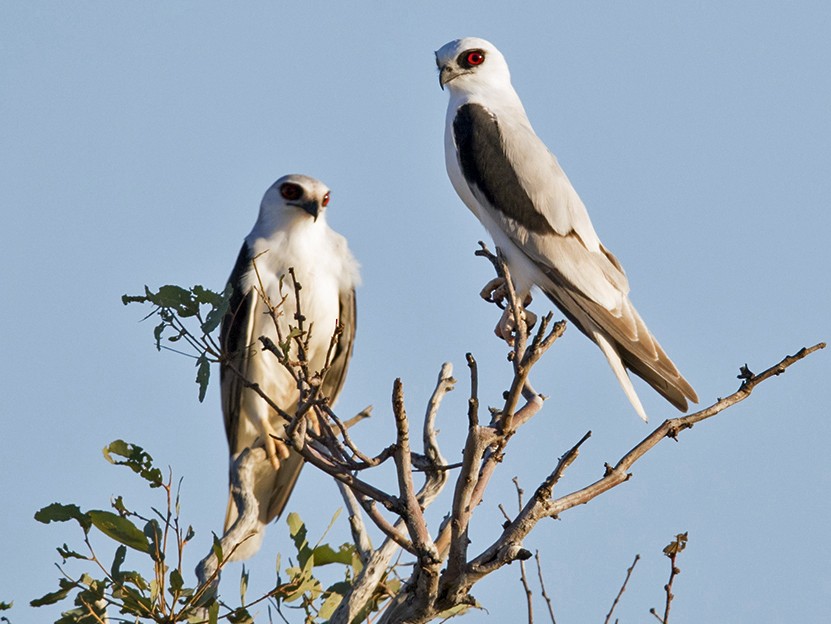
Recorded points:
272,488
235,339
585,280
336,376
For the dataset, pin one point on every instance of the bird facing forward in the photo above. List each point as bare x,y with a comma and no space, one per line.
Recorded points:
507,177
290,232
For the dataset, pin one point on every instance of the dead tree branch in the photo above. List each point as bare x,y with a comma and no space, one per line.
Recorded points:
444,571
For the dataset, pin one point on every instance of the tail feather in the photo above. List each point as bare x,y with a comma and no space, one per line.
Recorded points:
627,343
613,357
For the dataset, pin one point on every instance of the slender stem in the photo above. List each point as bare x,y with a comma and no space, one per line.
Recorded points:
622,589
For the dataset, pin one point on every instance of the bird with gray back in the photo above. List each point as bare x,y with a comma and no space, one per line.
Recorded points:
513,184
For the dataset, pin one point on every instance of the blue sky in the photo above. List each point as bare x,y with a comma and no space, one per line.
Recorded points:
138,139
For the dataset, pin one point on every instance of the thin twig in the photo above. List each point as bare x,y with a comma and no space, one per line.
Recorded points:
542,588
529,596
672,550
622,589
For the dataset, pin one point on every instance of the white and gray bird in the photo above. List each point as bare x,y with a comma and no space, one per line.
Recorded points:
290,232
507,177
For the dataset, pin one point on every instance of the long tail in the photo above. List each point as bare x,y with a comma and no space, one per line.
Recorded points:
627,344
613,357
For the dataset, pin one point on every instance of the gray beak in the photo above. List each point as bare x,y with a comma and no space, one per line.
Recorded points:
446,74
312,207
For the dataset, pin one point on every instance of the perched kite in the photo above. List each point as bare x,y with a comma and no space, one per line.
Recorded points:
290,232
516,188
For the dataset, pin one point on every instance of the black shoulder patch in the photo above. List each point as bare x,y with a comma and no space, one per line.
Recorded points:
232,332
485,166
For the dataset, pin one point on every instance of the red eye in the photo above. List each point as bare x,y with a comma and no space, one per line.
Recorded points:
325,201
475,57
291,191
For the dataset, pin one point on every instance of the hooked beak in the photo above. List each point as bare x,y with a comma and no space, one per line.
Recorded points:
312,207
446,74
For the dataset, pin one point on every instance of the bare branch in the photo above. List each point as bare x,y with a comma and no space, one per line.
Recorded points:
542,588
542,506
622,589
436,475
529,596
374,570
473,402
506,548
672,550
426,581
390,530
245,526
363,545
430,591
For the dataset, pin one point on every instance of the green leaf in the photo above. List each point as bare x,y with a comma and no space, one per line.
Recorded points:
136,459
81,615
5,606
57,512
213,320
240,616
178,298
132,601
118,559
125,299
157,335
203,375
65,585
131,576
217,548
243,585
219,303
213,613
216,300
298,533
329,605
325,554
120,529
176,580
65,553
153,533
300,583
92,600
155,588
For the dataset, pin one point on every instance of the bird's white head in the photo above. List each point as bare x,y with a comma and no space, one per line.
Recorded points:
472,64
294,196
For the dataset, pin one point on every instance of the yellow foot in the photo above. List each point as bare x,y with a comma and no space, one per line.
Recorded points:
495,291
506,328
275,447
